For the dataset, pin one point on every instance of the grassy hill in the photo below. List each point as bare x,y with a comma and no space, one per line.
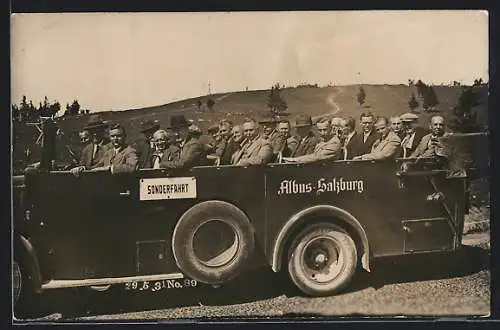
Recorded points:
386,100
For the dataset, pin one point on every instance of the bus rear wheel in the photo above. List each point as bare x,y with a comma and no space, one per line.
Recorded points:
322,259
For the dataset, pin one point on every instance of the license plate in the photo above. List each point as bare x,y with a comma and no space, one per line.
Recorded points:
154,286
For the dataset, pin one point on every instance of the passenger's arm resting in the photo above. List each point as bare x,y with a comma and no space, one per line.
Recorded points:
192,153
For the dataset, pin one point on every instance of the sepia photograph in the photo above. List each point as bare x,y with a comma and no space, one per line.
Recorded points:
249,165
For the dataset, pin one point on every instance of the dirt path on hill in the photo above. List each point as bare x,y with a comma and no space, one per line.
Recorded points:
330,99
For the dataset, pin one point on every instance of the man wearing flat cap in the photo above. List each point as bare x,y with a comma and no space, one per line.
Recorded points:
92,153
192,152
413,133
306,140
145,148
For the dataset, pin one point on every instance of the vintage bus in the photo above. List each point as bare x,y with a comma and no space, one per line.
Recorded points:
159,228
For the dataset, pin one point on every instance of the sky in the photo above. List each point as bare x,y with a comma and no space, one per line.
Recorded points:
119,61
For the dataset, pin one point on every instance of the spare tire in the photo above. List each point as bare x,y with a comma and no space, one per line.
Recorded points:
212,241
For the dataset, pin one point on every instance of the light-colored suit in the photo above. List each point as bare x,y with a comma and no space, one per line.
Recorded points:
125,161
425,149
384,148
331,149
256,152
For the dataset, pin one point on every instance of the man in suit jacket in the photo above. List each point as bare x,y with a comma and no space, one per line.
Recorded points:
120,158
431,144
387,146
329,148
164,148
306,140
233,145
368,134
93,151
193,152
145,148
257,150
397,127
413,133
352,142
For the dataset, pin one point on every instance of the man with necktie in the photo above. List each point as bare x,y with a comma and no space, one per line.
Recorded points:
306,140
92,153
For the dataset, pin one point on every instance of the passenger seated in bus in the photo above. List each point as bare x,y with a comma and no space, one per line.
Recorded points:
121,158
291,142
431,144
225,128
257,150
192,152
352,141
238,141
330,146
413,133
387,146
306,140
165,148
93,151
397,127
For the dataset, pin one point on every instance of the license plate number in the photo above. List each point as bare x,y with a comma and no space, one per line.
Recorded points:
154,286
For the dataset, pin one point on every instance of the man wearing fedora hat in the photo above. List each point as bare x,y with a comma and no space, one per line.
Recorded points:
306,140
330,146
93,151
145,148
192,152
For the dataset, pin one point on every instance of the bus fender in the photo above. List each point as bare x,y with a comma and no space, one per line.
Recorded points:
342,216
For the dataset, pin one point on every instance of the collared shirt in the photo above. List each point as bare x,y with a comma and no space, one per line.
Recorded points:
158,156
96,148
365,136
349,137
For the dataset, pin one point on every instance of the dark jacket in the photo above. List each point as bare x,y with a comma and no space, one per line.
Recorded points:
192,154
360,147
86,154
354,146
171,153
419,134
230,148
305,146
145,152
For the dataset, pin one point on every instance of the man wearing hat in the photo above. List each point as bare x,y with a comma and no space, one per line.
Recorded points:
92,153
306,140
192,151
413,133
330,146
145,148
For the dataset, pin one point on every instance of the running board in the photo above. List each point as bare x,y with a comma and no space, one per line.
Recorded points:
58,284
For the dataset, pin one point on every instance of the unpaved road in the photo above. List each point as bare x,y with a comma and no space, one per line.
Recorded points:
456,285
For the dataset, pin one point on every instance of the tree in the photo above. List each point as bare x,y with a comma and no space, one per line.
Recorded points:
464,114
413,103
411,82
199,104
74,108
430,98
275,102
421,87
361,96
210,104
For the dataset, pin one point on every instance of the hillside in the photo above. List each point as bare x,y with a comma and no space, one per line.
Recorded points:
383,100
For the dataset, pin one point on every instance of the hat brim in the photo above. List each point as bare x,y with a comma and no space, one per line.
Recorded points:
95,126
304,125
150,129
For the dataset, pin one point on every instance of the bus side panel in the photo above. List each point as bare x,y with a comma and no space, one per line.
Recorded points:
368,191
